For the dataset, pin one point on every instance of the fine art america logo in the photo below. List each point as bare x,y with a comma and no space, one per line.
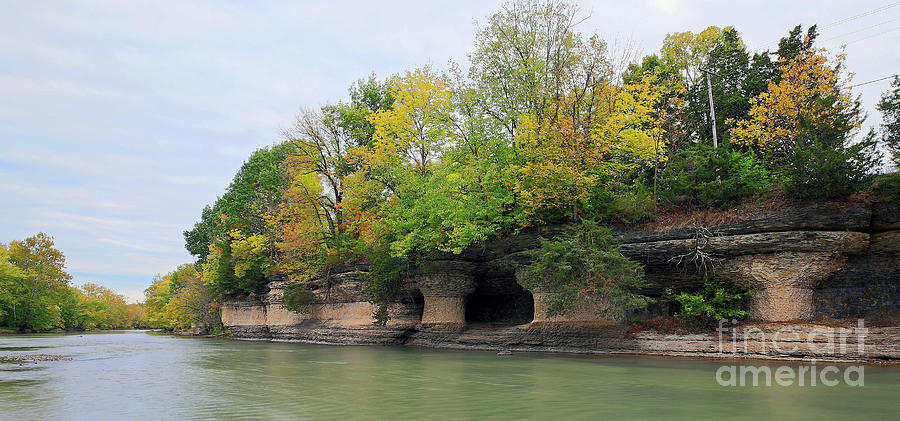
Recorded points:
825,342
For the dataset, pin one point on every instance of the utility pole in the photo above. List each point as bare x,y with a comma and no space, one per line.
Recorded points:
712,107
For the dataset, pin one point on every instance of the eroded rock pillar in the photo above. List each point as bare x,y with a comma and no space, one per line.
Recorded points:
783,282
445,287
590,310
593,311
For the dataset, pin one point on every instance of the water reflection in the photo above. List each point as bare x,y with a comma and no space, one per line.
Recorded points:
140,375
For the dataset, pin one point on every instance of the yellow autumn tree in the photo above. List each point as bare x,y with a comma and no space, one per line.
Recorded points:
687,51
408,139
640,131
643,117
554,173
776,116
564,159
418,125
302,222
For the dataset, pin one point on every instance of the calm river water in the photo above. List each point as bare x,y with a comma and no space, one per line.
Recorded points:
141,375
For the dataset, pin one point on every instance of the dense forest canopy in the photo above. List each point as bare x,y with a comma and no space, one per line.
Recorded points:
542,128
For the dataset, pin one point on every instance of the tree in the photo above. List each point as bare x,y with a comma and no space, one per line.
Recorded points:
366,97
181,299
804,126
156,297
241,214
522,59
321,148
601,136
257,187
796,43
466,200
35,293
686,52
13,281
729,60
890,111
44,268
418,125
95,307
305,228
775,116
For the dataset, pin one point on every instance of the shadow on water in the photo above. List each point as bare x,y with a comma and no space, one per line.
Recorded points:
15,367
11,384
21,348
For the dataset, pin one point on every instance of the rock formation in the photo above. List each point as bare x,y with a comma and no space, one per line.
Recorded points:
807,262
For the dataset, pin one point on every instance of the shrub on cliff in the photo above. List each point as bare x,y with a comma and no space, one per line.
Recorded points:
584,263
887,188
715,302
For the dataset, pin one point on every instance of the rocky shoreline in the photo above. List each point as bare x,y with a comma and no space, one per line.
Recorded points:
807,263
795,342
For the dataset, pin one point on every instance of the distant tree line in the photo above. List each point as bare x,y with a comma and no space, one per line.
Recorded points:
36,293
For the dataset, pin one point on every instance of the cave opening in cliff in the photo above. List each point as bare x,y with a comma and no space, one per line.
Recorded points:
416,302
499,301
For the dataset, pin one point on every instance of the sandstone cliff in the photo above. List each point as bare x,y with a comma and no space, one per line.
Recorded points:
807,262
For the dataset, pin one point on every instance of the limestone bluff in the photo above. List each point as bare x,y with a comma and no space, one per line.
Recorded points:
809,262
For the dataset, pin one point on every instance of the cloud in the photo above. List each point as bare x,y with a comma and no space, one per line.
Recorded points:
666,6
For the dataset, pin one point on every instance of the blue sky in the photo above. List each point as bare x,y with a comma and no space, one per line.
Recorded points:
119,121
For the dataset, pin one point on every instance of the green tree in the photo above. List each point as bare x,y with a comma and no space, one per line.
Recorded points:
523,59
256,187
13,292
890,128
46,278
795,43
702,176
367,96
464,202
243,214
180,299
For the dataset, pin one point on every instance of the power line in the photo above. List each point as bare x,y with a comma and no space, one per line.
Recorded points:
872,36
861,30
861,15
848,19
874,80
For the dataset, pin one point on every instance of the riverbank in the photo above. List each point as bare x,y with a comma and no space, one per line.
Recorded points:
781,341
7,331
815,269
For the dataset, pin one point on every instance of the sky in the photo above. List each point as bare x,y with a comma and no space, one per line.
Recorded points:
120,120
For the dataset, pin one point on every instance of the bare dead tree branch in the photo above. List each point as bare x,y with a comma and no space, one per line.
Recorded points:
702,258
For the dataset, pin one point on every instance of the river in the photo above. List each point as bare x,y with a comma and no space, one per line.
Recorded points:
146,375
